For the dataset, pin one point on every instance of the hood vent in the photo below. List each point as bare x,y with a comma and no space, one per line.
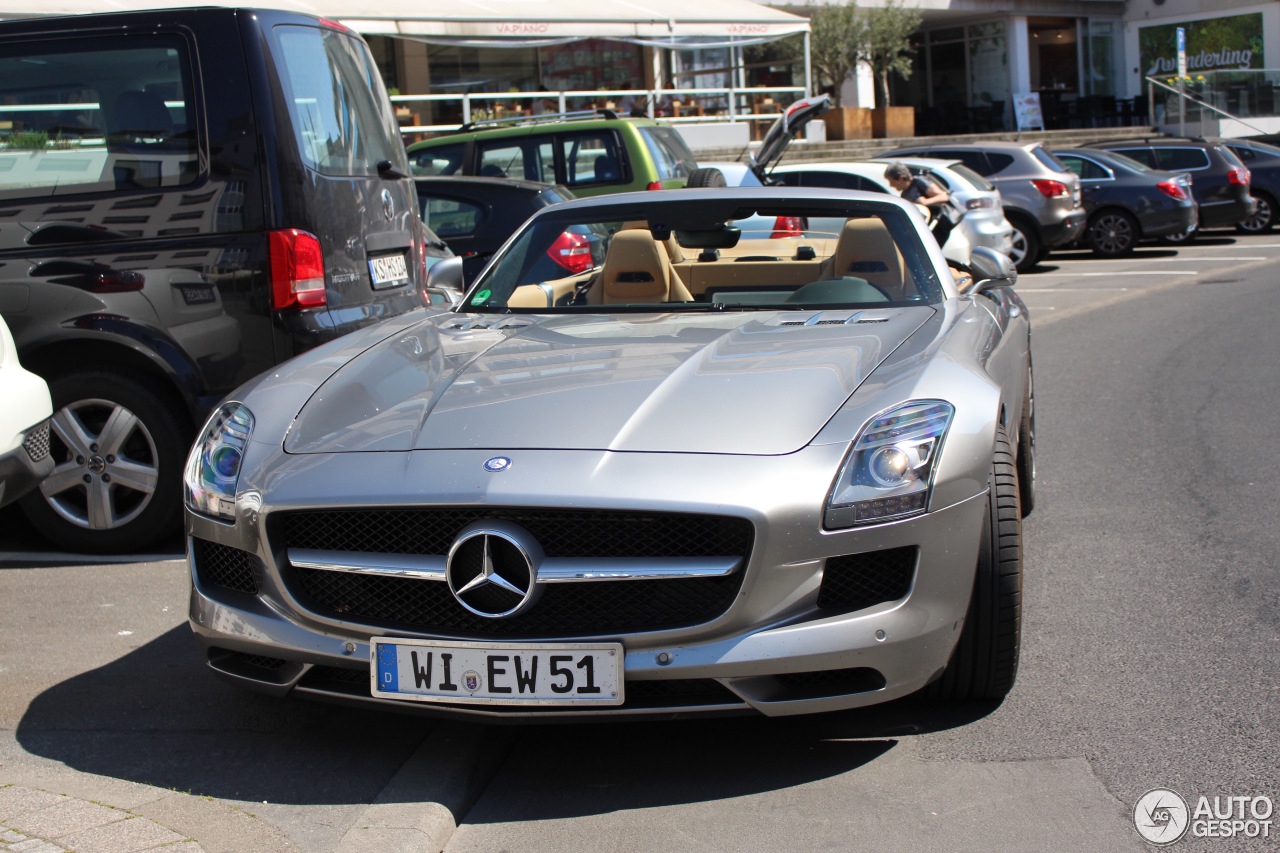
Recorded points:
484,322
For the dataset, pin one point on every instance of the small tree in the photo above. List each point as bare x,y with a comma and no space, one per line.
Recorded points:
835,36
885,43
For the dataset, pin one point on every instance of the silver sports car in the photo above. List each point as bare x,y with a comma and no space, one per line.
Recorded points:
697,472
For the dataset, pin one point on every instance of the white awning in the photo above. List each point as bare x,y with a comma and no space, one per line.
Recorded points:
720,20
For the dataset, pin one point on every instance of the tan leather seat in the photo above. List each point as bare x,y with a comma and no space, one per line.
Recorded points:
637,270
866,250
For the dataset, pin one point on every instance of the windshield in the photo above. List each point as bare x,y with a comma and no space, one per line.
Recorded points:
711,256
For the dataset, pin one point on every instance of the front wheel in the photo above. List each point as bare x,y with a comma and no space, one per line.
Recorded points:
1112,234
984,664
118,451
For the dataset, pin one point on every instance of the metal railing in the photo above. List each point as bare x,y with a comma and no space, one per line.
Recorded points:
1182,95
712,104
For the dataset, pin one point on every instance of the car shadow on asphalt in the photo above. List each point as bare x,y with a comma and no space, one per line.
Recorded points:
159,717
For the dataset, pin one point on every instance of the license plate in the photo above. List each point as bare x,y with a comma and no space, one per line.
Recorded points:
388,271
198,295
496,673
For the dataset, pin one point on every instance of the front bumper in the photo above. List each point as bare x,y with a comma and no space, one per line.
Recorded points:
773,629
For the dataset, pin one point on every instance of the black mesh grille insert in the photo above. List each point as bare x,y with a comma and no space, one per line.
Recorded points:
561,533
685,693
855,581
564,610
36,442
227,567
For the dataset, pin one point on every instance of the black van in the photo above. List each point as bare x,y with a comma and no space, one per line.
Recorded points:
187,197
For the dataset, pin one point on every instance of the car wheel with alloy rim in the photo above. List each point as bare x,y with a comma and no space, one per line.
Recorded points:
1112,234
118,453
1263,218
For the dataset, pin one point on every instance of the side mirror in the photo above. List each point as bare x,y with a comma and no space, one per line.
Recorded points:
991,269
446,274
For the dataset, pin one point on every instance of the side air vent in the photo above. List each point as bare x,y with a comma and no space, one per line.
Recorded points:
857,581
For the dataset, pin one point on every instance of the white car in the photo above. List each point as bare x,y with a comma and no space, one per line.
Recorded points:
984,222
989,227
24,424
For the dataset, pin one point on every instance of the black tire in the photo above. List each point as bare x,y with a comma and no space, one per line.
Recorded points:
1027,448
102,516
706,177
1182,238
1026,249
1263,220
1112,233
984,664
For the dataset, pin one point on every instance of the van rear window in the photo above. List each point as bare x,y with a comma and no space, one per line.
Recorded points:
341,117
68,127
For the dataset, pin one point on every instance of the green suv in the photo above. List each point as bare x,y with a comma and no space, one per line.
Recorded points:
591,153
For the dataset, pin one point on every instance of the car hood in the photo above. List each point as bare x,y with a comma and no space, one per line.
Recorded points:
760,383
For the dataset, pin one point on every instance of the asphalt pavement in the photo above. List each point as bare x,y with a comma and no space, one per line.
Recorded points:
1151,630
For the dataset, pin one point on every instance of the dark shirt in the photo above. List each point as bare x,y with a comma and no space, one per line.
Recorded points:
920,187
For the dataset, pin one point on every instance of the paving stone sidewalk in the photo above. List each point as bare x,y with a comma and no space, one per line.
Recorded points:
36,821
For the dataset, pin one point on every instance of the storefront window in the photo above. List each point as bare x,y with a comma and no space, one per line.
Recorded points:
1101,57
594,64
989,71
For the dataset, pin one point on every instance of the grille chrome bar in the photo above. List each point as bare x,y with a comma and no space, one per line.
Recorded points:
427,568
552,569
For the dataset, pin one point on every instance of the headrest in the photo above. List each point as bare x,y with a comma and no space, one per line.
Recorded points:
635,270
606,168
867,250
674,252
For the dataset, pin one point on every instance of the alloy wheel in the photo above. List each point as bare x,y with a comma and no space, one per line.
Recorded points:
1112,234
1017,246
1261,219
107,465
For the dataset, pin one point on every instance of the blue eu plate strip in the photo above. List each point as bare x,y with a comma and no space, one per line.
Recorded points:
388,671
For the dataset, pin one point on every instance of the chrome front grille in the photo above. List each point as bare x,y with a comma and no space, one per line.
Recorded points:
587,607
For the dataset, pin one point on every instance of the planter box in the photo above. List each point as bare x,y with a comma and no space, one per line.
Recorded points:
848,123
893,122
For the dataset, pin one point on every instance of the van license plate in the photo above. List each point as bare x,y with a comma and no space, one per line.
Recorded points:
388,271
497,673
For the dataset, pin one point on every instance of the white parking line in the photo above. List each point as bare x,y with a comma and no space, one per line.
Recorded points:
1070,289
55,558
1037,275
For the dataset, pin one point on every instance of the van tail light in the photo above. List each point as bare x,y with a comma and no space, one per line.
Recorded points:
1172,189
571,251
1051,189
297,269
1239,177
787,226
654,185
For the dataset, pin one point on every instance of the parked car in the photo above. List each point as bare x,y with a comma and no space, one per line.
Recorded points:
713,474
984,222
867,176
475,216
1041,196
1220,180
24,424
187,197
1263,162
589,152
1128,202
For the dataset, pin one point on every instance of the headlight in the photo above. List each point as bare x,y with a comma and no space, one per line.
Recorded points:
213,468
888,473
